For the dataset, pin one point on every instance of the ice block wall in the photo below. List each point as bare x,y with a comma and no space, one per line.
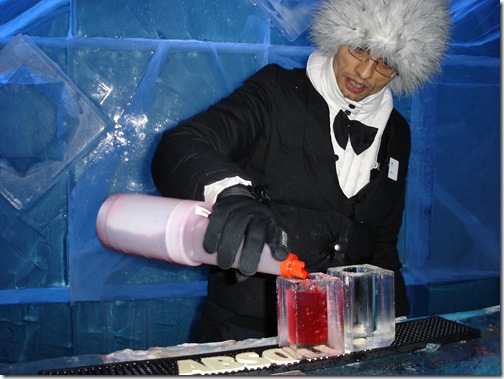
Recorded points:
135,68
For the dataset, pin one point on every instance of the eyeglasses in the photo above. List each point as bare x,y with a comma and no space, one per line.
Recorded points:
381,66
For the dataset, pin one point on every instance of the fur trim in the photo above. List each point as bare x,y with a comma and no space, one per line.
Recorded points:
411,35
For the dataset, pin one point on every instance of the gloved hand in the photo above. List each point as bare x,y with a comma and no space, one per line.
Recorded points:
238,215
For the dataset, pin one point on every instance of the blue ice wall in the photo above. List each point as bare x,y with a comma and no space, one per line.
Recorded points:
87,87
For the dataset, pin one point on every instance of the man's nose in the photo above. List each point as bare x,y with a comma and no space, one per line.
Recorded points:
365,69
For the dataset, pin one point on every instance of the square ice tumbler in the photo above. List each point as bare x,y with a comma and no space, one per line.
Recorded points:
369,306
310,315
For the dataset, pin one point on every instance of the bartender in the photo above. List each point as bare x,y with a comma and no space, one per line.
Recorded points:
311,161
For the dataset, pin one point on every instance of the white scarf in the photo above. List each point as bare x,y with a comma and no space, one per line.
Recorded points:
353,170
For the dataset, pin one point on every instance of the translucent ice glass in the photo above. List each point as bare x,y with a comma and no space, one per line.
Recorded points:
310,315
369,306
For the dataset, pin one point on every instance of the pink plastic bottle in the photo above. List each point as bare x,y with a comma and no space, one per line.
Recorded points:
171,230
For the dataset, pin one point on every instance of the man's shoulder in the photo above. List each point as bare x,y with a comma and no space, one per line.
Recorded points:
275,67
399,123
397,117
274,71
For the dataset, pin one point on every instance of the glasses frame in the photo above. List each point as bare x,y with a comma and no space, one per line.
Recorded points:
377,62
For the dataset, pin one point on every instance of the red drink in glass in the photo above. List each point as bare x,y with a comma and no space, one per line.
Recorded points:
306,315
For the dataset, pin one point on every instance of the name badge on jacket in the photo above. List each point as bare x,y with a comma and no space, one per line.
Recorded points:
393,169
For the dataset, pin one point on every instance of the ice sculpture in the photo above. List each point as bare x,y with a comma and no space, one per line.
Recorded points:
46,124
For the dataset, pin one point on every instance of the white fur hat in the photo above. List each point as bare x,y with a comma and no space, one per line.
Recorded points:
411,35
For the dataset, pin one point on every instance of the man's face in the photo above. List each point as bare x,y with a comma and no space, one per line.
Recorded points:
357,80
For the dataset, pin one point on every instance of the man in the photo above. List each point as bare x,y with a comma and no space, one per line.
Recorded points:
312,161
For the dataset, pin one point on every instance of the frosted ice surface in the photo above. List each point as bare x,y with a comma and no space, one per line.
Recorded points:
109,74
43,16
211,20
291,17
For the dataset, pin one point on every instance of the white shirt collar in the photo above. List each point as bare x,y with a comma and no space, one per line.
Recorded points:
353,170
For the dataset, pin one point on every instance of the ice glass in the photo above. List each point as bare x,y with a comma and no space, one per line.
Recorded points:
310,315
369,316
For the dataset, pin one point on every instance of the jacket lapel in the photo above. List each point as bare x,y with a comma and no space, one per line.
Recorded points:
318,154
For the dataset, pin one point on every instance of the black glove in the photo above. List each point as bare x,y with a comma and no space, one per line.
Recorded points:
237,215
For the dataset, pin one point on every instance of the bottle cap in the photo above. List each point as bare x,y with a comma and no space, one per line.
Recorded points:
292,266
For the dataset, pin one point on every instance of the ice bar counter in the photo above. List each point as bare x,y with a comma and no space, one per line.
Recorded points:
463,343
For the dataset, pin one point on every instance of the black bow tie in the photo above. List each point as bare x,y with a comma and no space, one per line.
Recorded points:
361,136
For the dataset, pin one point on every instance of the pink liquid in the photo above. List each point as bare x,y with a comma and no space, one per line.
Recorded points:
310,326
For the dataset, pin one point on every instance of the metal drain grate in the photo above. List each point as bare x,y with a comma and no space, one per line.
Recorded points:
410,335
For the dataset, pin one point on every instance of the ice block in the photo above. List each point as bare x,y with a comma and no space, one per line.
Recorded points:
310,315
369,315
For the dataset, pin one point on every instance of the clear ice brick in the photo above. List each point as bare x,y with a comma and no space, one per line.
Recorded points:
310,315
369,310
